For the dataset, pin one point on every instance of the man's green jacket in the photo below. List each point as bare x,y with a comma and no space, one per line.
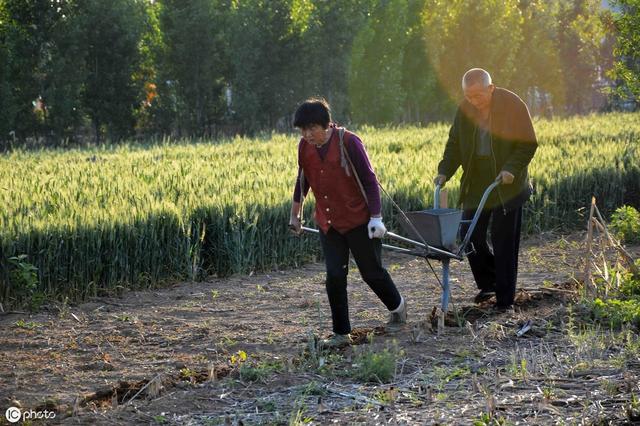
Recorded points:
513,143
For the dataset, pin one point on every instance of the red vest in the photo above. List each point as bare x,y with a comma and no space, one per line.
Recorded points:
339,201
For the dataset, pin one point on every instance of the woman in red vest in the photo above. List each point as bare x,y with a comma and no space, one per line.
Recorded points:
334,164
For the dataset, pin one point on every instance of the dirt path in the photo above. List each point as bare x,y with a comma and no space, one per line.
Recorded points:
175,356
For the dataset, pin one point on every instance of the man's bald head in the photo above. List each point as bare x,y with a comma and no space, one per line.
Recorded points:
475,76
478,89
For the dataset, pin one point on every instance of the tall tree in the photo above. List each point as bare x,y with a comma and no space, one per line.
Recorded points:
65,74
375,76
580,51
194,63
539,78
627,50
472,33
264,51
27,30
8,105
148,75
113,31
326,31
425,98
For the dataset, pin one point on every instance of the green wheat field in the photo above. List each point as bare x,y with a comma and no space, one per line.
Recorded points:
88,222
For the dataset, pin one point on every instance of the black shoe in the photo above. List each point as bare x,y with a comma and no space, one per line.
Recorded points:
503,309
484,295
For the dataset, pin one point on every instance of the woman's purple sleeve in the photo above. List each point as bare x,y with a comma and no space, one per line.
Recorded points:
360,160
296,190
305,184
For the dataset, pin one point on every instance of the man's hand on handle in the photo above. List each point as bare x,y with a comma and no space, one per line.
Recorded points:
440,180
376,228
505,177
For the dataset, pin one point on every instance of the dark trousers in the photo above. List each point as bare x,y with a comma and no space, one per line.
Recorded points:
367,254
497,270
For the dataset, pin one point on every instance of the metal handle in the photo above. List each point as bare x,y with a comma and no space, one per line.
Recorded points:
400,249
424,246
386,246
477,214
436,197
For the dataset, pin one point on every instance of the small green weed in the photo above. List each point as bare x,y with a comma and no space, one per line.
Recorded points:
160,419
27,324
632,409
375,366
314,388
386,396
259,371
518,368
299,415
487,419
630,286
187,373
24,278
266,405
625,223
609,386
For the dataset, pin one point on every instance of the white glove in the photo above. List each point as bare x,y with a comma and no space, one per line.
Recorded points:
376,228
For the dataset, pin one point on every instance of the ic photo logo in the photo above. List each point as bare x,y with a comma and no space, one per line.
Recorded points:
14,415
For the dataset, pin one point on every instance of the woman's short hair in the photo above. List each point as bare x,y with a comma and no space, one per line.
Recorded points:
312,111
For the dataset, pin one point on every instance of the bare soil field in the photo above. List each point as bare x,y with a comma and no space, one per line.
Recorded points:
242,350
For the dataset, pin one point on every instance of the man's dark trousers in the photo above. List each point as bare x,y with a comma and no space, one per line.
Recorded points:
367,254
498,270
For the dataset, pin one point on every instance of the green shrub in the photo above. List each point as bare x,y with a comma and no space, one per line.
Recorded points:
259,371
630,286
617,312
23,276
625,222
375,366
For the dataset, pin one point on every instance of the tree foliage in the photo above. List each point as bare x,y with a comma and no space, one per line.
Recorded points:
375,76
112,69
627,67
192,65
579,44
267,65
29,30
113,32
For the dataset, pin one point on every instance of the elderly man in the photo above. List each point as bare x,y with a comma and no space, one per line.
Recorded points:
492,137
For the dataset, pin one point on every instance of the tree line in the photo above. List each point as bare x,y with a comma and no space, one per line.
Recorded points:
77,70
